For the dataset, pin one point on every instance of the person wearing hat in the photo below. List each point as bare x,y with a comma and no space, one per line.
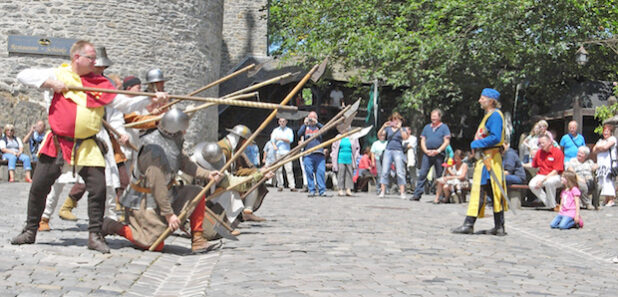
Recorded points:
154,200
72,139
243,167
488,141
209,156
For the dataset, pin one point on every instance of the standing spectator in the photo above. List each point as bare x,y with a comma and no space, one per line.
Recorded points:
377,150
253,153
13,149
34,138
584,168
270,156
335,97
283,136
550,162
315,163
606,160
410,145
571,142
344,153
394,153
514,173
435,137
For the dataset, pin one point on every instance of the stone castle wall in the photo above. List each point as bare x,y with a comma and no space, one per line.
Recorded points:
244,31
183,38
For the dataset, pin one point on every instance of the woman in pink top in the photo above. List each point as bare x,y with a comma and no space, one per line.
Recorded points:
569,203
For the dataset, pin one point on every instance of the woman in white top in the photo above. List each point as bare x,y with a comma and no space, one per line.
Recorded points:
12,150
605,149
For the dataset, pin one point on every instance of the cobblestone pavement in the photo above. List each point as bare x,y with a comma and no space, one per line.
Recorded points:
338,246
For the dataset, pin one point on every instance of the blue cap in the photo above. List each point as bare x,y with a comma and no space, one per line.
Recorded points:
491,93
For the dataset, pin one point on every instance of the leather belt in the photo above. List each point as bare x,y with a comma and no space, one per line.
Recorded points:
138,188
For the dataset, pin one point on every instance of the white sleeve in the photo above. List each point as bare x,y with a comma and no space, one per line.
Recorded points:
35,77
116,119
126,104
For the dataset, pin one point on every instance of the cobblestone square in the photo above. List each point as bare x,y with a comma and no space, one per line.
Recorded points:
337,246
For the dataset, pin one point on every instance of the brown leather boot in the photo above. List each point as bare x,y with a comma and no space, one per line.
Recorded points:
25,237
248,216
44,224
111,227
97,242
199,244
65,211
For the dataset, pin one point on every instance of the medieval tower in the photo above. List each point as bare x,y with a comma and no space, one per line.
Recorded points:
193,42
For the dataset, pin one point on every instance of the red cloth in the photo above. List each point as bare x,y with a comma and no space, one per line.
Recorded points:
548,161
63,113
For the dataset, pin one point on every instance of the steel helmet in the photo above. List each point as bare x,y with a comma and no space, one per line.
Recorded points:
240,130
102,59
209,155
154,75
174,121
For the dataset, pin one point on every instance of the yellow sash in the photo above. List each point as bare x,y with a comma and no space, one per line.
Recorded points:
476,206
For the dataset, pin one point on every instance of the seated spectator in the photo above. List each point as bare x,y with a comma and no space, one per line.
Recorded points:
584,169
12,150
514,173
365,170
569,204
550,161
34,137
454,179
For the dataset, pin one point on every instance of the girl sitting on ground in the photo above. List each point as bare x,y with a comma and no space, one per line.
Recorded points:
569,203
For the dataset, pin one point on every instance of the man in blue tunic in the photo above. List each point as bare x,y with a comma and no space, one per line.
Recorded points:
488,140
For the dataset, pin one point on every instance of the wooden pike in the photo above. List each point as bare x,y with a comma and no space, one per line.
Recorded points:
210,85
338,118
183,215
204,99
257,86
190,110
111,129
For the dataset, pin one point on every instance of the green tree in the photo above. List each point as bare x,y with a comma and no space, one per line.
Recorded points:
443,52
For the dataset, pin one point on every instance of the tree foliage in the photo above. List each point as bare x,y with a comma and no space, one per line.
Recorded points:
443,52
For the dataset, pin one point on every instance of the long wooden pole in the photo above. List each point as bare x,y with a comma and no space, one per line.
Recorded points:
210,85
189,110
204,99
111,129
338,118
290,159
259,85
183,215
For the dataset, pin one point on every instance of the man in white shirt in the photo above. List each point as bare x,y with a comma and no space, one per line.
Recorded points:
283,137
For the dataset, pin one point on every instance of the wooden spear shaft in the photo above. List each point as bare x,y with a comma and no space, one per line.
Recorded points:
189,110
257,86
290,159
212,84
111,129
183,215
204,99
338,118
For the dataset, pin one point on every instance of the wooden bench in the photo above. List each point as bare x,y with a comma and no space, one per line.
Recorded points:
516,193
19,170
